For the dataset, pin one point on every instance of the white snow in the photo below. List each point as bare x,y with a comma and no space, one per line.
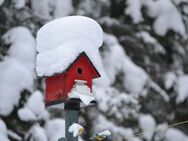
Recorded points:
3,131
173,134
41,8
36,133
34,108
62,8
18,4
76,129
167,17
133,9
169,80
1,2
3,138
181,88
17,69
178,2
147,123
22,47
55,129
82,91
102,123
60,41
113,102
14,135
147,38
3,127
134,76
105,133
26,115
159,90
50,9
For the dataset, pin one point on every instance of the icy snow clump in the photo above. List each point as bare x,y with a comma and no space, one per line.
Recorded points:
76,129
34,108
181,88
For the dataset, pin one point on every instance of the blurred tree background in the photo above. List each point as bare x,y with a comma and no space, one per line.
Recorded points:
145,78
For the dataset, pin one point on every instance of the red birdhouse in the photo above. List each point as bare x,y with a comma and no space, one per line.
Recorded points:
59,85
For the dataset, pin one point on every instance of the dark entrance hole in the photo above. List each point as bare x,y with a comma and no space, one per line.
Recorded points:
79,71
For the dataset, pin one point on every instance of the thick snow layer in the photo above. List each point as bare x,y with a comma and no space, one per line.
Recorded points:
113,102
173,134
181,88
55,129
3,138
134,10
19,64
36,133
34,108
81,91
67,29
60,41
169,80
76,129
22,46
3,127
134,76
26,115
147,124
11,72
167,17
3,131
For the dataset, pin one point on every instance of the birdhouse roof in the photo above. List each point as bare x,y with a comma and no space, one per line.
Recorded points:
61,41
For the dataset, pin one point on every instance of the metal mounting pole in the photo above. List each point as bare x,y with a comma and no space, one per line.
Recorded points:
71,116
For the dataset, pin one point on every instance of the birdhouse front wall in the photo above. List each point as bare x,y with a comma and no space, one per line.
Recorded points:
58,86
80,70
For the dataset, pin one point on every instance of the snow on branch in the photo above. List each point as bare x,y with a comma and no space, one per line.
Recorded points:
76,129
17,69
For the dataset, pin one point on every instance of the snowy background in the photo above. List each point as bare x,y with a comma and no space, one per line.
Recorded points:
145,79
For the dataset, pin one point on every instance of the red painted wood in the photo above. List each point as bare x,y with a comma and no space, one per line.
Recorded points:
58,86
55,87
73,75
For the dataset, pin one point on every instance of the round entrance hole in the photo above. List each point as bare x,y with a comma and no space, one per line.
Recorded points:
79,71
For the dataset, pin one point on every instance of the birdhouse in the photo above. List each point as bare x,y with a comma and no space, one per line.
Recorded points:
68,57
59,85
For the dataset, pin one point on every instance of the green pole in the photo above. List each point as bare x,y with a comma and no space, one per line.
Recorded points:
71,116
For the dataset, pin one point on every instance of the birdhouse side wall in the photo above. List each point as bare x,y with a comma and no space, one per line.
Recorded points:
55,88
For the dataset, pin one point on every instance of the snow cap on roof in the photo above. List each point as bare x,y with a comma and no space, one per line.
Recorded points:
60,42
66,29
